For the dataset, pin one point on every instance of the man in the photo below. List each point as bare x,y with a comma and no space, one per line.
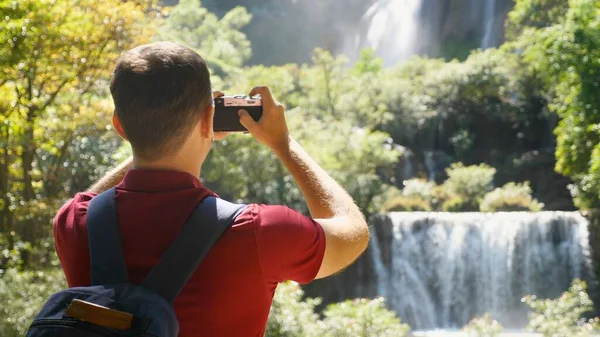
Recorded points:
164,108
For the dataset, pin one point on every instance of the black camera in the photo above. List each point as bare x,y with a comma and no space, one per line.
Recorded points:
226,117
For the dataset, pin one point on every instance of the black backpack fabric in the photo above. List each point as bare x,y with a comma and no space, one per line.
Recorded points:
112,306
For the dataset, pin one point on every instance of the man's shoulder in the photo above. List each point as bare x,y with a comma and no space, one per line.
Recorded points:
260,217
264,213
73,208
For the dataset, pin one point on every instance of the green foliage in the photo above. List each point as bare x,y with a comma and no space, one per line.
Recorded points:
362,318
566,57
455,204
528,14
220,41
407,204
293,316
468,188
565,316
510,197
22,295
55,61
464,109
470,182
419,188
483,326
367,63
462,142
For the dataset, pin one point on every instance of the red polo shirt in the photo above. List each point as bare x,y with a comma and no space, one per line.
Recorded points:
231,291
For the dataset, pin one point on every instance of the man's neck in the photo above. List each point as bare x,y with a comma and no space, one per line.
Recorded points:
177,163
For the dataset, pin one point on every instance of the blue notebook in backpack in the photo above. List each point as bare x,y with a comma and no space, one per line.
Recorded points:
112,306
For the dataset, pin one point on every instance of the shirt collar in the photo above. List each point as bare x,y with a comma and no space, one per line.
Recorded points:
142,180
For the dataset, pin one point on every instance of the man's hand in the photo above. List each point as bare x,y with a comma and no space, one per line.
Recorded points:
271,130
219,135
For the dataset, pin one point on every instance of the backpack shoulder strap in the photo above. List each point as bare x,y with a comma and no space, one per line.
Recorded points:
107,261
208,222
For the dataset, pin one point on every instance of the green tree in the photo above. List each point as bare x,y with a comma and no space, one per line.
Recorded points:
535,14
220,41
55,61
566,57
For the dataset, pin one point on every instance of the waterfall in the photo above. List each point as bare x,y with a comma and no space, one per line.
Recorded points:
392,29
430,164
489,23
447,268
380,271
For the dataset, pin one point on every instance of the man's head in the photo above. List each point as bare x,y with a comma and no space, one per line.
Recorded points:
161,92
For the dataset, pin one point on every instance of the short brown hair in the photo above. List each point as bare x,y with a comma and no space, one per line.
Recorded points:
160,91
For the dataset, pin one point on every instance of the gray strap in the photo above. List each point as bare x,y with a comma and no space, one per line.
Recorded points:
106,252
200,232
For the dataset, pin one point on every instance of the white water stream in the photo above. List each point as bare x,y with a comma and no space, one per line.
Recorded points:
448,268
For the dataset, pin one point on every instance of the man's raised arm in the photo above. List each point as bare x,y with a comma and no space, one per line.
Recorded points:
346,231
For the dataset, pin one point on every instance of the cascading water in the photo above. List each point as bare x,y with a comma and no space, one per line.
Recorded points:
399,29
447,268
489,23
392,29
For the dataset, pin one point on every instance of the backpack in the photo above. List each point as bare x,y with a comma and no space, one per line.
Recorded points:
112,306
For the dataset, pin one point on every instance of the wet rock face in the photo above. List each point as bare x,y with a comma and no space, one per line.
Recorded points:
439,270
342,26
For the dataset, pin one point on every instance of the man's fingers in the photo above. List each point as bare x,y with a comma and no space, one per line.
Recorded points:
217,93
247,121
264,92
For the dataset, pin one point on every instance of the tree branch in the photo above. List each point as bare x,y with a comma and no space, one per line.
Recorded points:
80,72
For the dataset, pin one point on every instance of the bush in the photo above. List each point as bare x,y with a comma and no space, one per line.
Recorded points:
483,326
22,295
564,316
13,251
455,204
23,255
440,196
362,318
419,188
291,316
407,204
470,182
511,197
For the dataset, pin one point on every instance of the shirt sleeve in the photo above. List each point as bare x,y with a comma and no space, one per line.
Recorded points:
290,245
70,239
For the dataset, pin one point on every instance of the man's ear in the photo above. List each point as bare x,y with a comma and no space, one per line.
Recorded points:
118,126
206,122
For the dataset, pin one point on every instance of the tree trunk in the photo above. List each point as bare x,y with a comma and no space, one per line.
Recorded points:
5,213
27,163
27,156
